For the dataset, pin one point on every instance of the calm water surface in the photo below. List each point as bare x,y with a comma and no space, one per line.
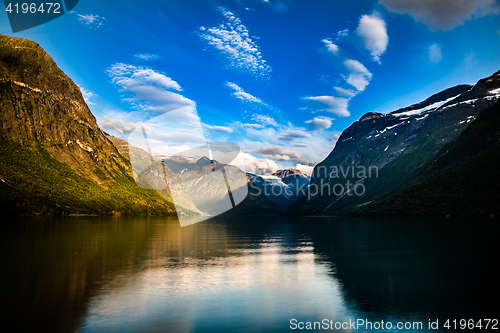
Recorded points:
245,274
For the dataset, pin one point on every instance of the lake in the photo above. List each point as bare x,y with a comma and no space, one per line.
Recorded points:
247,274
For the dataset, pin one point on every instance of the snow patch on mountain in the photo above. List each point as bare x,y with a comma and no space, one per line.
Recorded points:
469,101
469,118
421,118
495,91
388,128
432,107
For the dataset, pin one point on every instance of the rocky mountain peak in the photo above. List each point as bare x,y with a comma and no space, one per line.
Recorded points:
371,115
287,173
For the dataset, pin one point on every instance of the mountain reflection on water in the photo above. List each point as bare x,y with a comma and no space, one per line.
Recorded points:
245,274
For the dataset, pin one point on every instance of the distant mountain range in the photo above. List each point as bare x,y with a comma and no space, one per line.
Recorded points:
267,194
206,182
382,157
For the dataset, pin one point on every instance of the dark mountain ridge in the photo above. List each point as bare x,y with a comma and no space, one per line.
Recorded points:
462,179
395,145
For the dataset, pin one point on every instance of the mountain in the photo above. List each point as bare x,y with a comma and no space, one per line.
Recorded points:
54,158
272,194
462,179
288,173
179,164
283,187
206,183
381,152
293,178
255,203
147,175
267,194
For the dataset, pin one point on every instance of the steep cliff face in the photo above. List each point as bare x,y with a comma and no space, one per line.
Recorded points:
40,103
378,153
54,155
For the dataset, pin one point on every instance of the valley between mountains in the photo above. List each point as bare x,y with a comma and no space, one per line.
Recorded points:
438,157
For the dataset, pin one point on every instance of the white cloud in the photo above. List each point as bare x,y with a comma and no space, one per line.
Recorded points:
294,134
232,39
87,95
276,5
262,121
435,55
176,128
242,95
91,20
373,31
258,165
330,47
147,56
336,105
116,124
220,129
128,76
169,132
279,153
305,169
149,89
345,92
443,14
343,33
253,125
264,141
359,76
320,123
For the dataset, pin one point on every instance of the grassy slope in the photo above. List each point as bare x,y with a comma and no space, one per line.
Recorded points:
463,178
33,182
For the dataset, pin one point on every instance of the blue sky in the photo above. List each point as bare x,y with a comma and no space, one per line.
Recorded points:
280,78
